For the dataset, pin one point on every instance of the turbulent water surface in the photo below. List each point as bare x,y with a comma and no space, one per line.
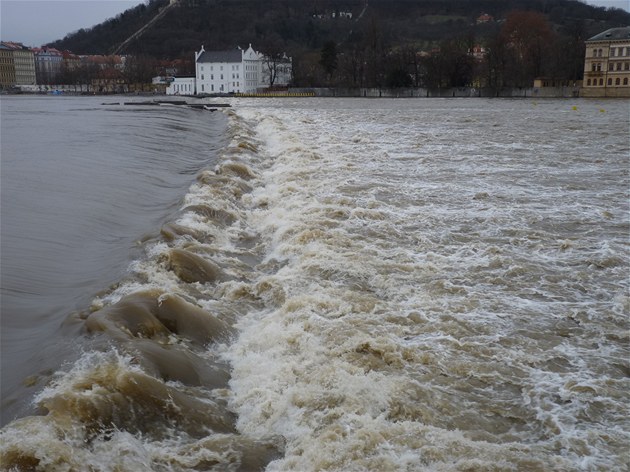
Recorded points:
437,285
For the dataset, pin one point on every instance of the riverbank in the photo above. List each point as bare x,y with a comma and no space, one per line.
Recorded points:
334,92
457,92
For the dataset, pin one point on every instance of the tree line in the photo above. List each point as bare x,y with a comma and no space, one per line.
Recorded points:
524,46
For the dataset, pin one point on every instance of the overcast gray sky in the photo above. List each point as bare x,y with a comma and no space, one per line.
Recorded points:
36,22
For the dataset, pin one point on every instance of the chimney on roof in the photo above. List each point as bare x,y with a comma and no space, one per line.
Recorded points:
197,54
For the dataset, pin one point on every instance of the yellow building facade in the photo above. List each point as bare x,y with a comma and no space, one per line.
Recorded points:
17,65
607,64
7,68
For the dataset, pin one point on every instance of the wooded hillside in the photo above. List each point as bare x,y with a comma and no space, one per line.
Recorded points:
374,42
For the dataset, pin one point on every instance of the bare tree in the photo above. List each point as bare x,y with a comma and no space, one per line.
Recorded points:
274,57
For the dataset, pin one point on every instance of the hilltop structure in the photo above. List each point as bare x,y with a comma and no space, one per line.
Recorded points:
233,71
607,64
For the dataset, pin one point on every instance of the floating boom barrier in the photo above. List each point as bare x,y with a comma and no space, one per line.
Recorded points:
275,94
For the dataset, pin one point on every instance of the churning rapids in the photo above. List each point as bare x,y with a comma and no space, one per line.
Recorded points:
363,285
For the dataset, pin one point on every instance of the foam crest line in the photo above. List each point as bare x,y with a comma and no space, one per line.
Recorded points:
411,319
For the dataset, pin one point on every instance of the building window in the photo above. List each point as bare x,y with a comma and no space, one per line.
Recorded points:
601,81
202,78
617,81
625,80
202,88
221,76
593,66
613,51
211,76
611,66
619,66
599,52
626,66
609,81
588,82
201,68
212,87
599,66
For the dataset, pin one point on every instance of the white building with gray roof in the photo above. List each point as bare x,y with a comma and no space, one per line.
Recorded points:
232,71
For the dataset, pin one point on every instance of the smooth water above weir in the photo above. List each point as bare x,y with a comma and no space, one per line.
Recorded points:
81,185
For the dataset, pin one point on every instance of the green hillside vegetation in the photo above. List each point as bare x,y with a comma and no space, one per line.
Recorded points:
378,45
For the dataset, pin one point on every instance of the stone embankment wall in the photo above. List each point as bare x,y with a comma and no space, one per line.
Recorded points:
462,92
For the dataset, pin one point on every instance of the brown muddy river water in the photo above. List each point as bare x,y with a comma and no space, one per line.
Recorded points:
316,284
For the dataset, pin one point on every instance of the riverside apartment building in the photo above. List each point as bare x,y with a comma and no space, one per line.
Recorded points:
17,65
607,64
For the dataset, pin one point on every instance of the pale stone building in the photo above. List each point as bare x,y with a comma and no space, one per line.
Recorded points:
48,64
232,71
607,64
182,85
